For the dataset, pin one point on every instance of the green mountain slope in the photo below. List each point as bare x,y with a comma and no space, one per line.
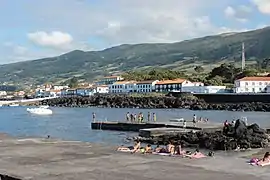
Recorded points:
180,55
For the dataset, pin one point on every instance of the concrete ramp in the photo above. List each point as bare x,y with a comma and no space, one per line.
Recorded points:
152,132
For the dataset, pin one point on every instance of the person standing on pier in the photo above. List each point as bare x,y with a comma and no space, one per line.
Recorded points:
148,116
194,120
141,117
154,117
131,118
94,116
184,125
134,117
128,117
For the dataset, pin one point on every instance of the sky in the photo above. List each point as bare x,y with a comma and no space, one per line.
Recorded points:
32,29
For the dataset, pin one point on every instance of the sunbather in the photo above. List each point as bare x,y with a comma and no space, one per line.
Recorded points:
197,154
148,149
132,149
170,148
179,151
265,159
123,148
157,149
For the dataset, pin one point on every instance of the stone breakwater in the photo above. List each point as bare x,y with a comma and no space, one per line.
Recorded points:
124,101
232,136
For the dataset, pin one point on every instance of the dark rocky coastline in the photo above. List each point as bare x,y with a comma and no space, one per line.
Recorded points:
124,101
245,137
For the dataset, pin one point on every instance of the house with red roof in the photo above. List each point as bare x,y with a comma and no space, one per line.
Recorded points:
252,85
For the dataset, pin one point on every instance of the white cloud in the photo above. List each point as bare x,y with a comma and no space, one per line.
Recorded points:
240,13
133,22
229,11
262,5
54,39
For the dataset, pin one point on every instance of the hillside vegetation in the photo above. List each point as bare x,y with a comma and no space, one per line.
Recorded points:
183,56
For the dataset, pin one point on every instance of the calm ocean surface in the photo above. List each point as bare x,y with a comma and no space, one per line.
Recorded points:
74,123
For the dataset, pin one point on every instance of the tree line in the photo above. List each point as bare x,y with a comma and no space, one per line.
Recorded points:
225,74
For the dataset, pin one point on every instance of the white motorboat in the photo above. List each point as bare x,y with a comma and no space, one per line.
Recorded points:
40,110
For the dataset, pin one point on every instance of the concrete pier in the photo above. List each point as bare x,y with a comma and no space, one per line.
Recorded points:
136,127
42,159
152,132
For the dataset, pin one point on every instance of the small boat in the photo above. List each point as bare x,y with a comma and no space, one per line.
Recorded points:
40,110
13,105
177,120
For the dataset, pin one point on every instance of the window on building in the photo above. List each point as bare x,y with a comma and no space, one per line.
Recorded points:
265,83
247,90
246,83
260,83
253,89
253,83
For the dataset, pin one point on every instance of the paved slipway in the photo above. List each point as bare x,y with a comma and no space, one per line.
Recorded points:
37,158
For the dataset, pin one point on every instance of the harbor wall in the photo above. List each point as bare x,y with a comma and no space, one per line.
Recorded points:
228,97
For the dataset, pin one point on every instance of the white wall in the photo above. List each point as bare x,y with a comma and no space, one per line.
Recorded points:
102,89
146,87
268,89
204,89
122,88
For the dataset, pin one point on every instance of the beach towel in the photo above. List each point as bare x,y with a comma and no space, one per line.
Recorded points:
125,150
196,156
161,154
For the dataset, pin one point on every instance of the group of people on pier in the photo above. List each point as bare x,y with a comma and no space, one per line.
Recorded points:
195,120
133,117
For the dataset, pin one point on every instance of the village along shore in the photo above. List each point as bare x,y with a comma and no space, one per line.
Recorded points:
151,102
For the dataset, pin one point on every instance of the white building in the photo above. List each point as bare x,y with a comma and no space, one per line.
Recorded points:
172,85
101,89
123,87
59,87
251,85
146,86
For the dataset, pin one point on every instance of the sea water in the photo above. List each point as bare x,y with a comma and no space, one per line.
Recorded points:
75,123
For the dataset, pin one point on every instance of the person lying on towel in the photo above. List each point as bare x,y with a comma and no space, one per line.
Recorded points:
265,160
197,154
133,149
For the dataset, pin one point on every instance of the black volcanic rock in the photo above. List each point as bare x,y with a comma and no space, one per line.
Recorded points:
232,136
125,101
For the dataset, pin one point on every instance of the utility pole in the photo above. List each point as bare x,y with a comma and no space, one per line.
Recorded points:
243,56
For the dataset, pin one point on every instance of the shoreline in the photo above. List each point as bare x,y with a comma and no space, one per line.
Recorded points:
164,102
37,158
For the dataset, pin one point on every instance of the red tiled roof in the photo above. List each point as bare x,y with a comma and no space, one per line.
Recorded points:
108,77
264,78
146,82
175,81
124,82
